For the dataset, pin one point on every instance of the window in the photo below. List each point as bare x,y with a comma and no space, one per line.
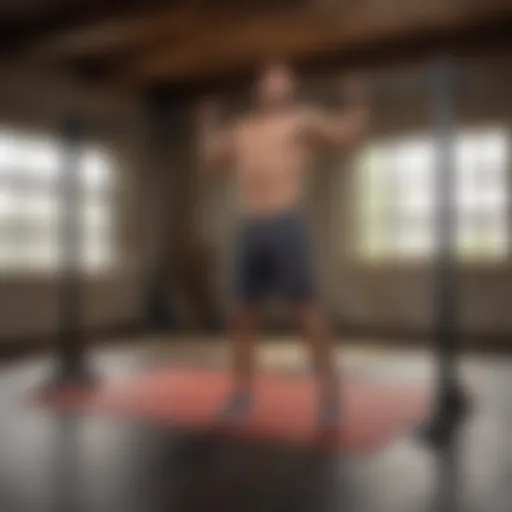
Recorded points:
396,197
30,170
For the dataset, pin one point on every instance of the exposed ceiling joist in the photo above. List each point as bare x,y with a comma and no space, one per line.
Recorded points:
145,28
121,34
231,44
143,43
43,18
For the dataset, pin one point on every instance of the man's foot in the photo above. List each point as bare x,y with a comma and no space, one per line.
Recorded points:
235,409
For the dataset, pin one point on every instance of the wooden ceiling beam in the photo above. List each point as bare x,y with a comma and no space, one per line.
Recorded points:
31,26
121,34
133,32
233,45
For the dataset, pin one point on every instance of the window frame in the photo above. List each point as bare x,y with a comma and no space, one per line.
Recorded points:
414,263
25,183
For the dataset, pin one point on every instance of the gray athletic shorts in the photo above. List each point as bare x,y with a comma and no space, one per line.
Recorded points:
273,255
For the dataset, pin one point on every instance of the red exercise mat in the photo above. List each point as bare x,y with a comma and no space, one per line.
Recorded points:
284,410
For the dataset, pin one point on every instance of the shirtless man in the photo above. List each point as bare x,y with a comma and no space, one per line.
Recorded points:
269,151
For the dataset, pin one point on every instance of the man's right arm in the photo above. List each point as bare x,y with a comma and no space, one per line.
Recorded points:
215,140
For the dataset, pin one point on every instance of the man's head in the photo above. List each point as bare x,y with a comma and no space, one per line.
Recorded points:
275,86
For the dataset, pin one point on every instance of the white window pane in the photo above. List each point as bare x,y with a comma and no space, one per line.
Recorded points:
41,206
8,205
35,156
414,163
483,234
469,226
491,200
480,180
415,238
30,214
372,173
467,200
415,205
375,244
10,256
488,147
414,245
97,256
43,256
97,214
397,205
38,219
97,169
483,201
414,153
494,147
7,152
98,246
376,162
487,176
40,158
464,151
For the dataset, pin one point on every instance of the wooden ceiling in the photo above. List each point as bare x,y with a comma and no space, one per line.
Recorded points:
142,44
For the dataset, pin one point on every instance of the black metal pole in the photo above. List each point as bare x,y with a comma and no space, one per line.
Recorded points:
449,401
446,307
73,369
158,314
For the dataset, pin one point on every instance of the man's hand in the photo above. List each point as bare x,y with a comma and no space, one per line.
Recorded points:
345,128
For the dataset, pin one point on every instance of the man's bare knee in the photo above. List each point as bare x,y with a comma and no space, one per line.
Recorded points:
313,323
244,321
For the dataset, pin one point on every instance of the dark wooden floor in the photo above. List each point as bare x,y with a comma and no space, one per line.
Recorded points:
56,463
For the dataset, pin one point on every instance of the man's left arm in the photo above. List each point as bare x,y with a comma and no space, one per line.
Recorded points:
341,129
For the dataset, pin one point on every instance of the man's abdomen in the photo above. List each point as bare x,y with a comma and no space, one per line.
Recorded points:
269,196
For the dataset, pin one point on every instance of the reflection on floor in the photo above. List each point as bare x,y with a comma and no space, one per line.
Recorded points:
62,463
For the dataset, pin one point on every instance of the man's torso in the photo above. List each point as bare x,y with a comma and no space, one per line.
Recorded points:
270,156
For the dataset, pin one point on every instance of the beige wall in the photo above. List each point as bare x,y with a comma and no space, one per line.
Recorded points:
38,100
393,298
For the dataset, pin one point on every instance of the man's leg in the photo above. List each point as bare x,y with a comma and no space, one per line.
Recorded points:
243,339
315,328
298,276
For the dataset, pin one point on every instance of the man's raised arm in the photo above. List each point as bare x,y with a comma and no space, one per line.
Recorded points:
215,140
340,129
